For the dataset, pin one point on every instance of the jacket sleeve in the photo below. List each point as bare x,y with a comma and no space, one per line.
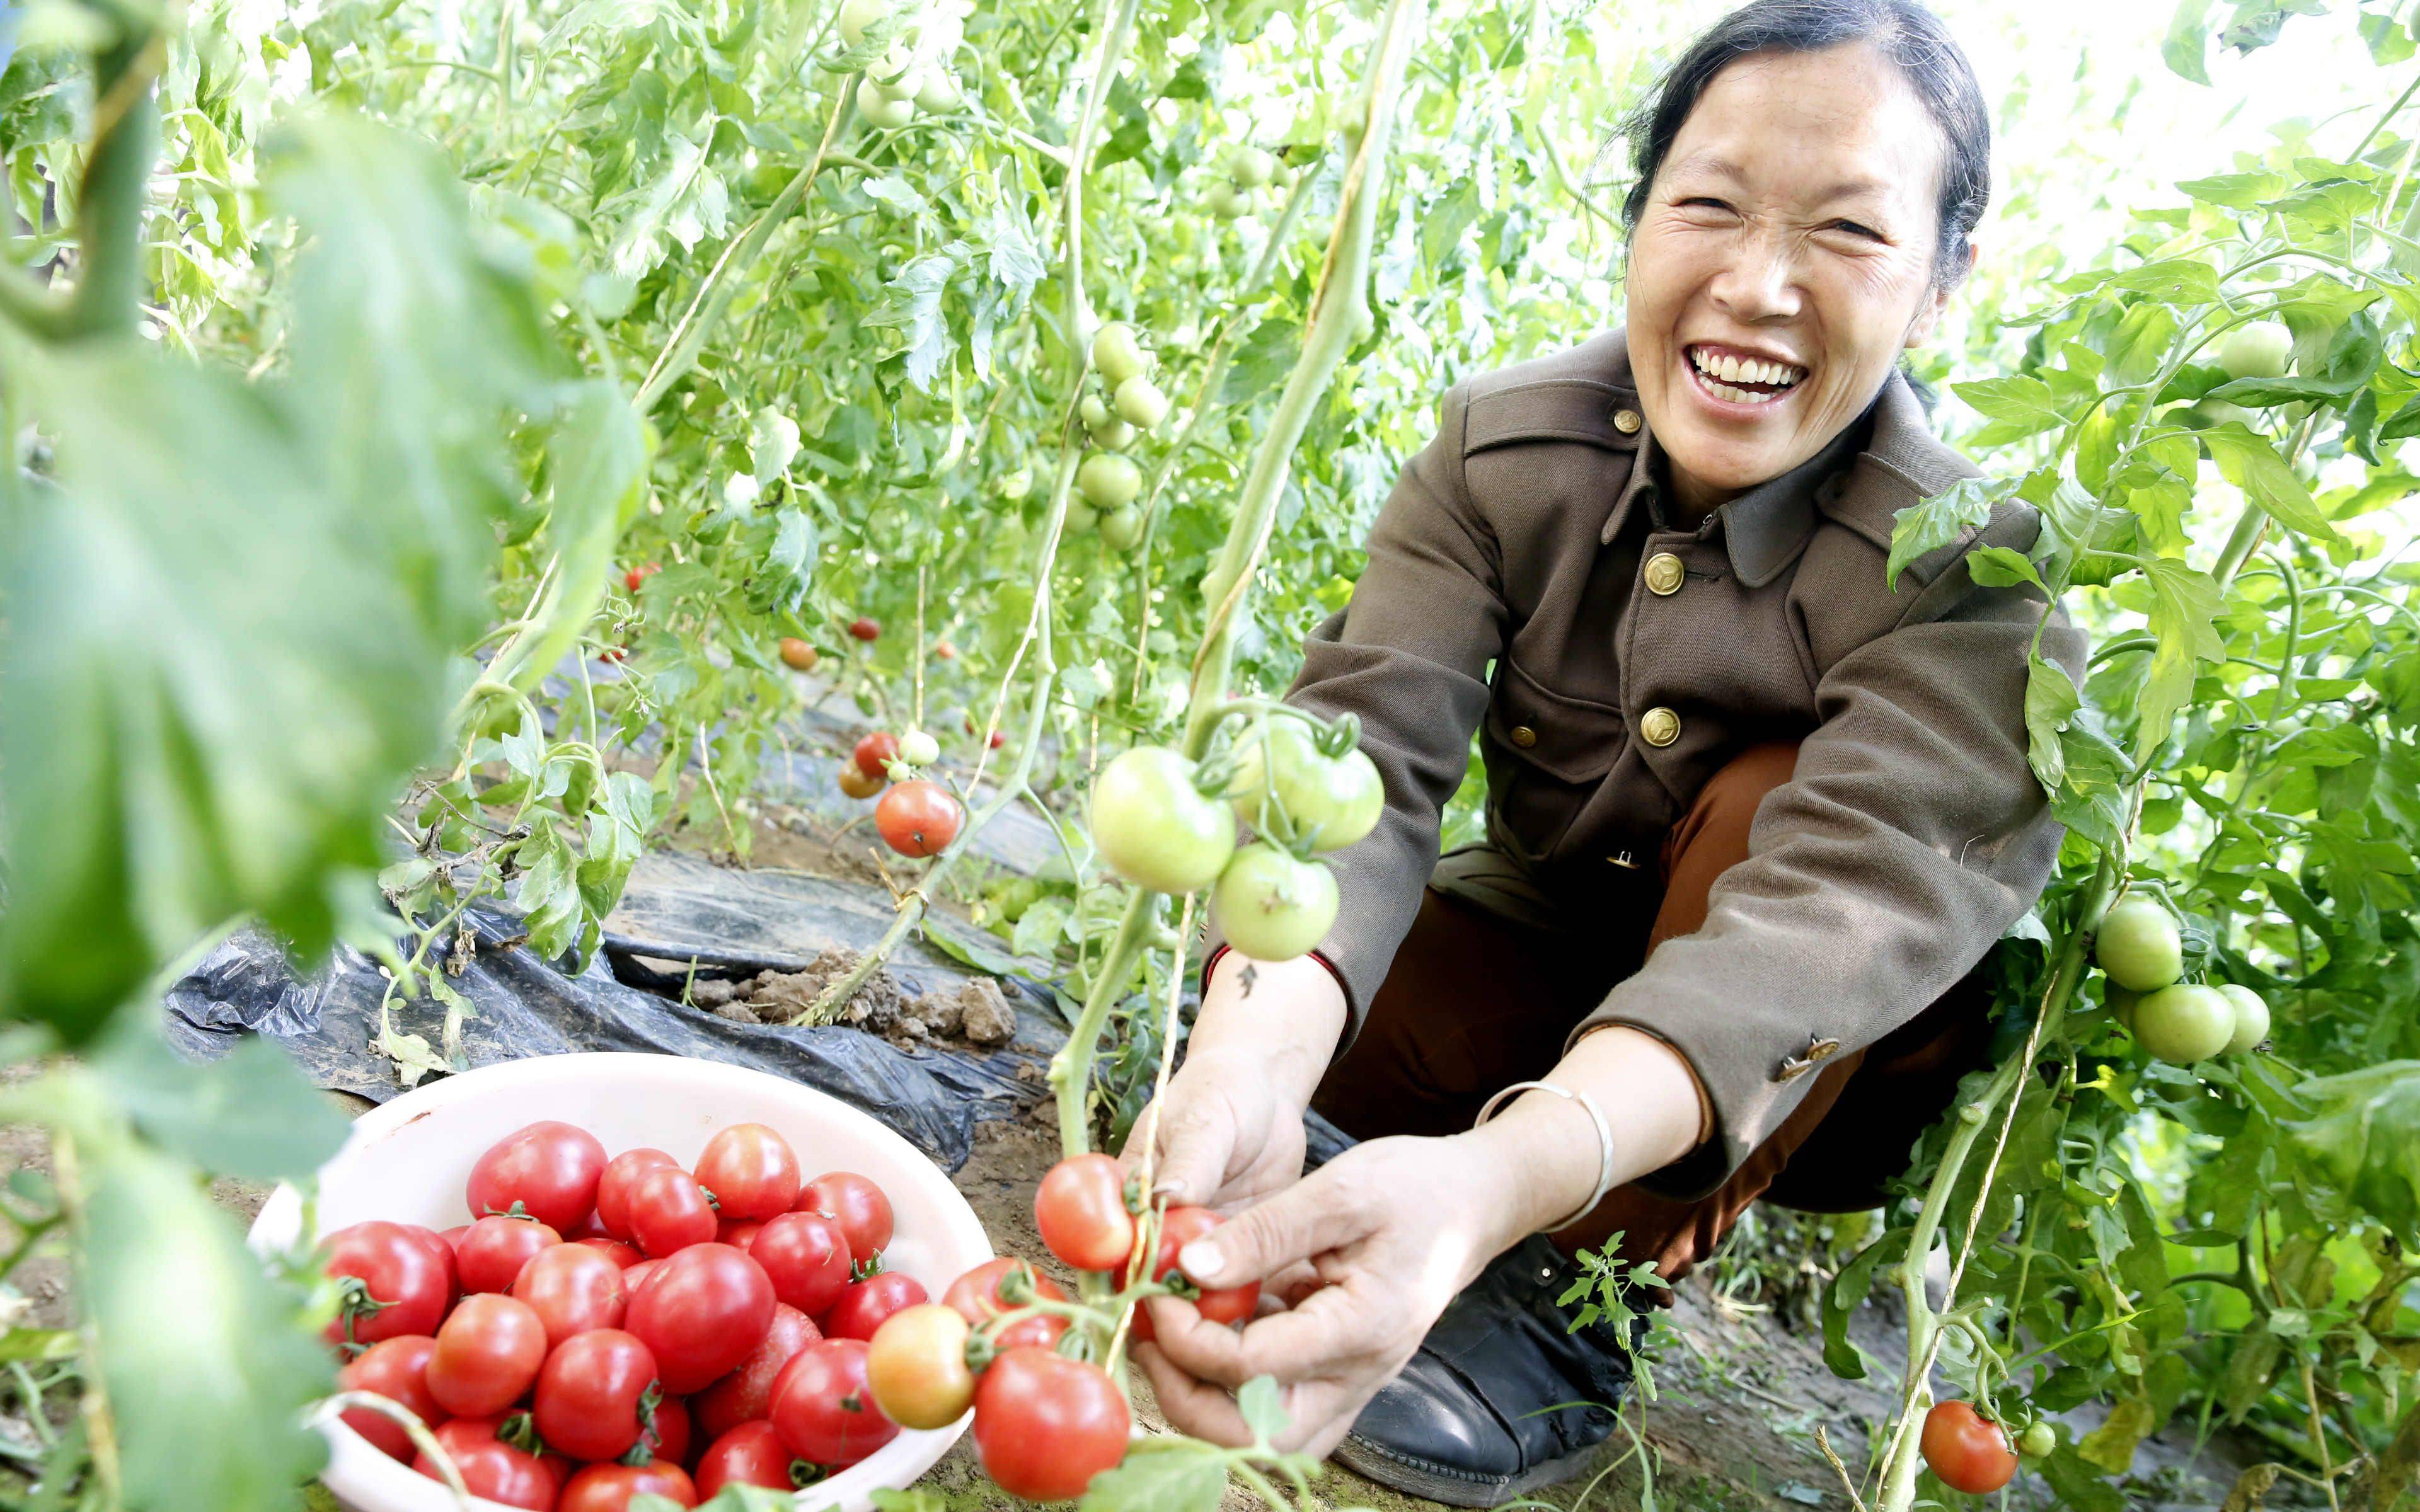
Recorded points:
1910,835
1408,654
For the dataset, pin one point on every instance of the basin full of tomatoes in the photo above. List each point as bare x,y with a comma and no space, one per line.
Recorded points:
610,1324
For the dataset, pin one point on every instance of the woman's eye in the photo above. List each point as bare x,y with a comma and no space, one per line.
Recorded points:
1854,229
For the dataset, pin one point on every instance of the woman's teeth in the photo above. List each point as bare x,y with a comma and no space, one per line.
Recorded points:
1724,376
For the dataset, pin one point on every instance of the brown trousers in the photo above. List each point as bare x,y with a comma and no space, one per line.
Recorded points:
1476,1001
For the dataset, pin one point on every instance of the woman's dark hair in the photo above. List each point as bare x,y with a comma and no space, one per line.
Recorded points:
1903,31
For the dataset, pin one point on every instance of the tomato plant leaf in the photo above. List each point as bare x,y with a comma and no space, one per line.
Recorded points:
2364,1134
1180,1478
2250,463
207,1369
2051,701
1262,1408
250,1113
2184,603
1920,527
2023,404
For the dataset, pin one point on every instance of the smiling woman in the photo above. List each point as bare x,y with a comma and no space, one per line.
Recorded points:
1756,806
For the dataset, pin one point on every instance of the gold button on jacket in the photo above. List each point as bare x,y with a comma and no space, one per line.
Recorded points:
1503,595
1664,574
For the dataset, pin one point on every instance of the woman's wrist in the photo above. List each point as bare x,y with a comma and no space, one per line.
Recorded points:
1285,1019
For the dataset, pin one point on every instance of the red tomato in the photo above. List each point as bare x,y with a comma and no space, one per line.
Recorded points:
746,1394
632,578
487,1353
864,629
573,1289
798,655
610,1487
1969,1452
613,653
550,1168
491,1469
1080,1207
976,1296
874,751
863,1211
399,1286
1178,1227
945,651
701,1313
669,1212
864,1304
636,1276
588,1394
453,1235
751,1170
1046,1425
824,1410
620,1178
397,1369
625,1256
491,1255
738,1232
667,1433
749,1454
443,1248
807,1256
919,818
995,741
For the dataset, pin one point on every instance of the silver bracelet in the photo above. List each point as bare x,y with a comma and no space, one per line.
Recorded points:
1604,1139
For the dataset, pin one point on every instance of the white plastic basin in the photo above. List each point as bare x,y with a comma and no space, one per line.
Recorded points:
406,1162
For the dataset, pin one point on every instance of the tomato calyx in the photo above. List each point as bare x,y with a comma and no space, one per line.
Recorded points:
520,1431
981,1351
642,1453
355,1303
806,1472
867,1269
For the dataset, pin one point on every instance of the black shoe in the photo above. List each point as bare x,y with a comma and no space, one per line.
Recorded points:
1462,1425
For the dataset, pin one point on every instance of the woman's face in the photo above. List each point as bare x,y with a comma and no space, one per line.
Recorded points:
1783,261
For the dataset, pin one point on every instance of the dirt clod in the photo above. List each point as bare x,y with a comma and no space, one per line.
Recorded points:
976,1011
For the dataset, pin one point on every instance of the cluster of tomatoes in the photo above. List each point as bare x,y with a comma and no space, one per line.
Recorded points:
2143,952
1107,480
1248,170
610,1327
917,816
1047,1419
912,74
1166,822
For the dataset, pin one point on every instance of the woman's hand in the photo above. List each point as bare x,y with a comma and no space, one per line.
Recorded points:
1229,1130
1391,1230
1227,1134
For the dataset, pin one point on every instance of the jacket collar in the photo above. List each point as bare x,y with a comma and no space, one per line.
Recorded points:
1880,462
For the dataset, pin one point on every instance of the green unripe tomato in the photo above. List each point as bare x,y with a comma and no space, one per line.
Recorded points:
940,90
1107,480
2205,414
1272,906
2039,1440
858,15
2251,1018
917,749
2122,1004
2262,349
1154,828
1116,353
895,72
1105,428
1250,167
2139,946
1227,202
1081,516
1330,803
1121,527
881,110
2185,1023
1138,400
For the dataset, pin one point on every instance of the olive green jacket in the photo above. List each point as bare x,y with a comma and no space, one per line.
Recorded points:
1610,671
